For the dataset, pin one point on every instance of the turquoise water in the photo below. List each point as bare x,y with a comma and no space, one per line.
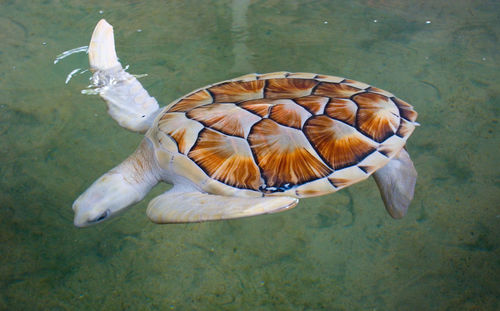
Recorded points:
337,252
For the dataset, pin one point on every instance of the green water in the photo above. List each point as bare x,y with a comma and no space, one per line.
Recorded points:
337,252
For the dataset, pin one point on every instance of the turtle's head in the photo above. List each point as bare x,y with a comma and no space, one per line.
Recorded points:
119,188
107,197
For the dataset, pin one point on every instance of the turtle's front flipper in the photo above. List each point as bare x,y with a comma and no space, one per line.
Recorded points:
128,102
183,207
396,182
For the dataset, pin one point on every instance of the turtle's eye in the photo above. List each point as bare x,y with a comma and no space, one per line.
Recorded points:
103,216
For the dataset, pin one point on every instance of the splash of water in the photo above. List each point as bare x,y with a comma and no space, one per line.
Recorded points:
73,72
71,52
96,86
100,82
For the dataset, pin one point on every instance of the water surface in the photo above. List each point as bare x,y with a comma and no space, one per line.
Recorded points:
337,252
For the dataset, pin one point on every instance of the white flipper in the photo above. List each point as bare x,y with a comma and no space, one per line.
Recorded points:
396,182
184,207
128,102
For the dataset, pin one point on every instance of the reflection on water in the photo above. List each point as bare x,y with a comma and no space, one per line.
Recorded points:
240,33
335,252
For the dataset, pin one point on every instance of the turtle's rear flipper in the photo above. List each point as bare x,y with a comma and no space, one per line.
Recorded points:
183,207
128,102
396,182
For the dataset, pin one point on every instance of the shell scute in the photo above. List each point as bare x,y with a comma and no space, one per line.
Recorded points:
274,75
165,142
288,113
343,110
315,188
406,128
405,109
261,107
301,75
312,103
231,92
379,91
189,102
377,116
226,118
326,78
289,88
284,155
227,159
183,130
373,162
347,176
357,84
391,146
247,77
336,90
340,144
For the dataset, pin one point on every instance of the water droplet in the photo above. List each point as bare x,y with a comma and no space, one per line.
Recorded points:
71,74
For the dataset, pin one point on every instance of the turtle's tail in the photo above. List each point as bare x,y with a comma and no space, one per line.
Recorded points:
119,188
127,100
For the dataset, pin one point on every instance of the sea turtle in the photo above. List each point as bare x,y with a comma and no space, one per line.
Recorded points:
248,146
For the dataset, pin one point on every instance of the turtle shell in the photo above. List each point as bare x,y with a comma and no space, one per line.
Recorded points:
296,134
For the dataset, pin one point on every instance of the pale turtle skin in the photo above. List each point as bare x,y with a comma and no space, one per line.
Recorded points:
248,146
